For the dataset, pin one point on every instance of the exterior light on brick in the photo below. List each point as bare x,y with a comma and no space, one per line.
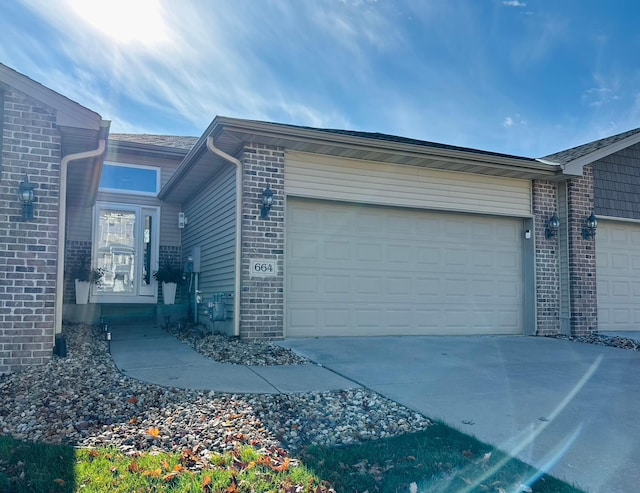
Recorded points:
590,226
553,224
25,190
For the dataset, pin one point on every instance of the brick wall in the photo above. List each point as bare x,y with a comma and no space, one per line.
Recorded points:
544,195
28,250
74,251
262,299
582,256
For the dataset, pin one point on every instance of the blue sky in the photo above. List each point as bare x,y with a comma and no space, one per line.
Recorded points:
525,77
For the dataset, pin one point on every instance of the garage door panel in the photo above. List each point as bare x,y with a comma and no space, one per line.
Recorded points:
337,250
618,275
366,252
436,274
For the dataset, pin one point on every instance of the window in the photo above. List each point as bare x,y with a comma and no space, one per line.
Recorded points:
130,179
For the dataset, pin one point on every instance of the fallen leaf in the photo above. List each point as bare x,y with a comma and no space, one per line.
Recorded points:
486,458
206,484
133,400
284,467
134,467
167,478
468,454
165,465
156,473
60,482
153,432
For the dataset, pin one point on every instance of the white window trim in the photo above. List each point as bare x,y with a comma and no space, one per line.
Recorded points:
133,192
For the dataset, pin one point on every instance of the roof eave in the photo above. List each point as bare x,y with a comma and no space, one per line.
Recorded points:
232,134
575,167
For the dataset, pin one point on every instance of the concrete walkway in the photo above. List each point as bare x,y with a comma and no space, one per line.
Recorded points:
568,408
152,355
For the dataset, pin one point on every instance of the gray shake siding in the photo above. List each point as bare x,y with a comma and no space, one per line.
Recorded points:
211,226
617,184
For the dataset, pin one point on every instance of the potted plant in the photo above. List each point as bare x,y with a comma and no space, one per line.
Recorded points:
85,275
170,274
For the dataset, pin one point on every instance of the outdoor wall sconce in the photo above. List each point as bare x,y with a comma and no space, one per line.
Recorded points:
590,225
26,197
267,202
553,224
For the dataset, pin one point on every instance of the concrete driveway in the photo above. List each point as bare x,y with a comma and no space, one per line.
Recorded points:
570,409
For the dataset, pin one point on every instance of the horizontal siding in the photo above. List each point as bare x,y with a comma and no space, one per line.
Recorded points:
170,234
322,177
211,216
79,223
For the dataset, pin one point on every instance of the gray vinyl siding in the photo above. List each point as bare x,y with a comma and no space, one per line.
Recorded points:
211,225
563,255
79,223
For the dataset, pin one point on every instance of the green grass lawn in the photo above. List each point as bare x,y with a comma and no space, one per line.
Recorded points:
439,459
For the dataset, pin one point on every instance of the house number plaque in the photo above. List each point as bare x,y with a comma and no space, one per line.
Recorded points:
263,268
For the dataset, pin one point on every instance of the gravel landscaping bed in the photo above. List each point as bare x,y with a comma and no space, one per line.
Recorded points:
85,401
233,349
602,340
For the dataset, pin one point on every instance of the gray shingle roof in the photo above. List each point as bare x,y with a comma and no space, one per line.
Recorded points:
568,155
400,140
157,140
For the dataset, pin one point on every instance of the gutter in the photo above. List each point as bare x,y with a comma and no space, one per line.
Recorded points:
62,216
236,162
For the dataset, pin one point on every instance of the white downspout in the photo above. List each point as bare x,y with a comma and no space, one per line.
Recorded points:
62,225
227,157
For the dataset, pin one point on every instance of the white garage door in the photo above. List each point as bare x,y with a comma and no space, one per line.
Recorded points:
618,275
370,270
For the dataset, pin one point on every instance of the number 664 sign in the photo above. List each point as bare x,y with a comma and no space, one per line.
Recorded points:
263,268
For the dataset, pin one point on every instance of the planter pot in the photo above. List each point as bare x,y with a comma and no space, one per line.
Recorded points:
82,292
169,292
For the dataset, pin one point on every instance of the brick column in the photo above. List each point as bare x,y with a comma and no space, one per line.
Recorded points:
544,196
262,299
582,256
28,249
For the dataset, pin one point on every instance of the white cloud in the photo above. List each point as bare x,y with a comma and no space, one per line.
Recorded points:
514,3
513,121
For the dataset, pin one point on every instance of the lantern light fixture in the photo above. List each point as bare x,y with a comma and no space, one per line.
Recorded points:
267,202
553,224
25,192
590,226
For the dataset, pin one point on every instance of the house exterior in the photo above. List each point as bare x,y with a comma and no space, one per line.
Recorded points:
44,138
289,231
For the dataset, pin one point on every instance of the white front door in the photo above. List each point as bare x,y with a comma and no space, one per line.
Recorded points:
125,246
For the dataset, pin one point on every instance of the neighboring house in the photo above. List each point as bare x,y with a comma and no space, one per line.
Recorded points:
291,231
